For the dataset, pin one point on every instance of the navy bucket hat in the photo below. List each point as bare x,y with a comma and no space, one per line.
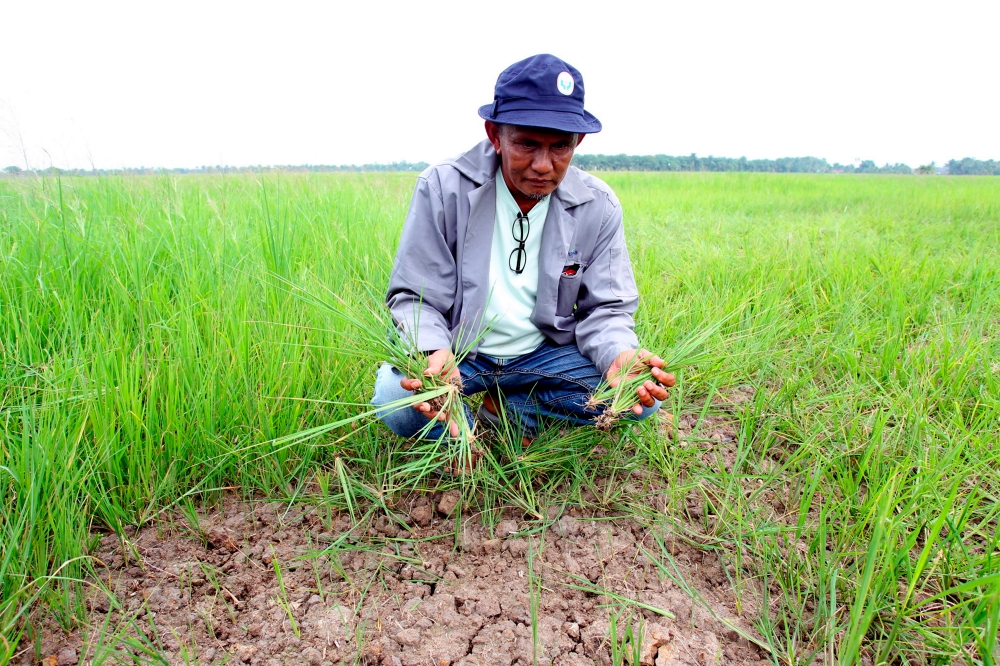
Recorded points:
541,91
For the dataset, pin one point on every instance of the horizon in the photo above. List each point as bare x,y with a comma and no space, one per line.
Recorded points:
407,166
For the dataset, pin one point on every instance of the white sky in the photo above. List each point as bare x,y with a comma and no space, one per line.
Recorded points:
200,83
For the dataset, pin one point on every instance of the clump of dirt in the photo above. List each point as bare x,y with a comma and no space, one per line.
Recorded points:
454,385
260,583
607,420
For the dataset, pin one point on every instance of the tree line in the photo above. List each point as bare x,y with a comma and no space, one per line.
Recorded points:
693,162
150,171
964,167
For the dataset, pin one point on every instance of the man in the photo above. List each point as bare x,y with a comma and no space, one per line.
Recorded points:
511,255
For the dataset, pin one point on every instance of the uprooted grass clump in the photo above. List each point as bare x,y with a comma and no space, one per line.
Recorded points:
616,395
441,403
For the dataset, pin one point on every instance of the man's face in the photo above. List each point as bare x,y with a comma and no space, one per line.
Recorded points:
534,161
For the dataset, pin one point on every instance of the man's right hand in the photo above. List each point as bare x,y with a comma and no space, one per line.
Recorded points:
441,363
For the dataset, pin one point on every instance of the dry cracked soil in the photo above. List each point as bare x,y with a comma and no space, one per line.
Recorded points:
263,583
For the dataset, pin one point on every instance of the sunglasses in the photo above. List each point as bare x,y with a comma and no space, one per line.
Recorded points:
519,256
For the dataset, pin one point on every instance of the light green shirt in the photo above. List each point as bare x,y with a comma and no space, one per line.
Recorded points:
512,298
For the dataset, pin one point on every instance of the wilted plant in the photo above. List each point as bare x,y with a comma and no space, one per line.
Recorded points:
376,338
618,399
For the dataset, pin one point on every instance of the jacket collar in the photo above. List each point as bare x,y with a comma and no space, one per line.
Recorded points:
480,165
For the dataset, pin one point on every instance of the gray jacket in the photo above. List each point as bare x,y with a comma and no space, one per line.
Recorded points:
440,280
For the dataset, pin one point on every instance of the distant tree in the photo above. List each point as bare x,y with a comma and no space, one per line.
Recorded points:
896,168
970,167
12,170
927,169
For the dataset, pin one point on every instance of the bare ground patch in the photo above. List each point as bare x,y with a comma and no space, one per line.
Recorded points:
265,584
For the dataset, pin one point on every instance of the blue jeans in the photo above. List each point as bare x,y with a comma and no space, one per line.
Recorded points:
552,383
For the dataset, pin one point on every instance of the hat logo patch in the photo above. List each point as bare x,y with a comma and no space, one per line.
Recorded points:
565,83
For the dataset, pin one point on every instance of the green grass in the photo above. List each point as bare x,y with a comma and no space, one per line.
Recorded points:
152,354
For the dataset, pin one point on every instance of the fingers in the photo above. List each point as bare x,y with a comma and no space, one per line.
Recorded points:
643,357
440,360
654,361
665,378
645,396
635,361
648,394
434,363
616,376
410,384
425,409
442,416
446,368
453,428
656,391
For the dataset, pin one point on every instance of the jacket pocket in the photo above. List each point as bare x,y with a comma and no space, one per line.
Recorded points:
569,289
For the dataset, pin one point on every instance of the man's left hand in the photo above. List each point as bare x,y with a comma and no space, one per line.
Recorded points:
629,364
